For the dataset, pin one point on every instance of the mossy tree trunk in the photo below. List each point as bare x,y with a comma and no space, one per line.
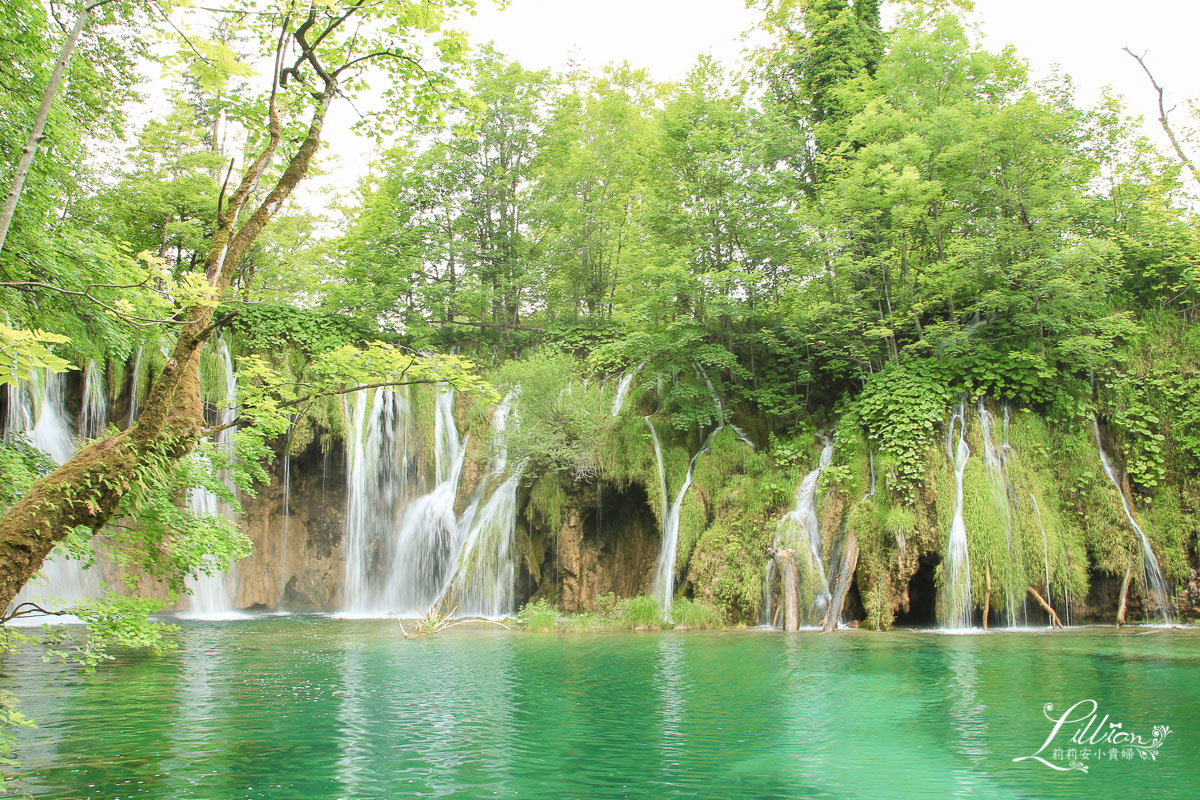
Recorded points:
87,490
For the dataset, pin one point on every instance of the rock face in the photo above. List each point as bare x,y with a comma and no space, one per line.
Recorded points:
608,542
297,564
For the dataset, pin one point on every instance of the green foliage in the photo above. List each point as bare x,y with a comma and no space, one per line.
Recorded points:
278,328
695,615
641,612
20,465
538,615
560,422
113,622
900,410
10,718
547,503
22,353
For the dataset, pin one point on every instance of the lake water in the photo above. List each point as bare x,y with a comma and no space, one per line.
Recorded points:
313,708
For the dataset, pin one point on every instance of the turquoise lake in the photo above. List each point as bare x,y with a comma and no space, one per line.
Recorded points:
313,708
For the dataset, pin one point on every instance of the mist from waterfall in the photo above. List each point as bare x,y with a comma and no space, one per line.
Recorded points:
36,411
213,595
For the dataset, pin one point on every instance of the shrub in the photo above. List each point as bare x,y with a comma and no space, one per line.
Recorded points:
696,615
640,612
539,615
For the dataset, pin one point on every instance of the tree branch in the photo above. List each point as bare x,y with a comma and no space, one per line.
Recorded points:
331,393
132,319
1162,117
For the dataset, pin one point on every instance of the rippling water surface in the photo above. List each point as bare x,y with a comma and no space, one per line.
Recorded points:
314,708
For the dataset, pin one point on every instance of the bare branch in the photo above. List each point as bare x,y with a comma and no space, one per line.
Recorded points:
1162,116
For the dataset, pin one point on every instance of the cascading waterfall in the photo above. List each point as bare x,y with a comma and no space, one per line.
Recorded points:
93,417
35,409
800,529
622,392
1045,544
428,539
847,557
287,519
377,490
663,586
955,606
133,386
664,572
213,595
1155,583
484,574
993,462
407,555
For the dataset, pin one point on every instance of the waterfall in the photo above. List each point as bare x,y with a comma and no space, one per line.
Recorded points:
447,447
133,386
1045,545
955,608
663,586
35,409
1066,588
213,595
847,556
1155,583
662,478
377,483
993,462
93,417
799,528
287,519
407,555
427,539
484,570
664,572
622,391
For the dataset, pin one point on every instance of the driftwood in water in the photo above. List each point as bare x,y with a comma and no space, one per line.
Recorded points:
789,574
842,587
1124,594
987,599
1054,620
435,622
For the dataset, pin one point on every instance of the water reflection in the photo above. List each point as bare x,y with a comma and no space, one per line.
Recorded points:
672,689
317,709
966,713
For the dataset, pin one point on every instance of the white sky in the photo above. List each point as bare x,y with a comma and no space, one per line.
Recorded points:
1083,37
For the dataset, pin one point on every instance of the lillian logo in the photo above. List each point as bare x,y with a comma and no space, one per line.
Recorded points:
1080,737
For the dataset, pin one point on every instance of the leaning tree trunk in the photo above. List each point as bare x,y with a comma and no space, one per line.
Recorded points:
87,490
39,121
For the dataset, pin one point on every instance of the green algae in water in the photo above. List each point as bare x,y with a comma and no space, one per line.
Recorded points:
314,708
